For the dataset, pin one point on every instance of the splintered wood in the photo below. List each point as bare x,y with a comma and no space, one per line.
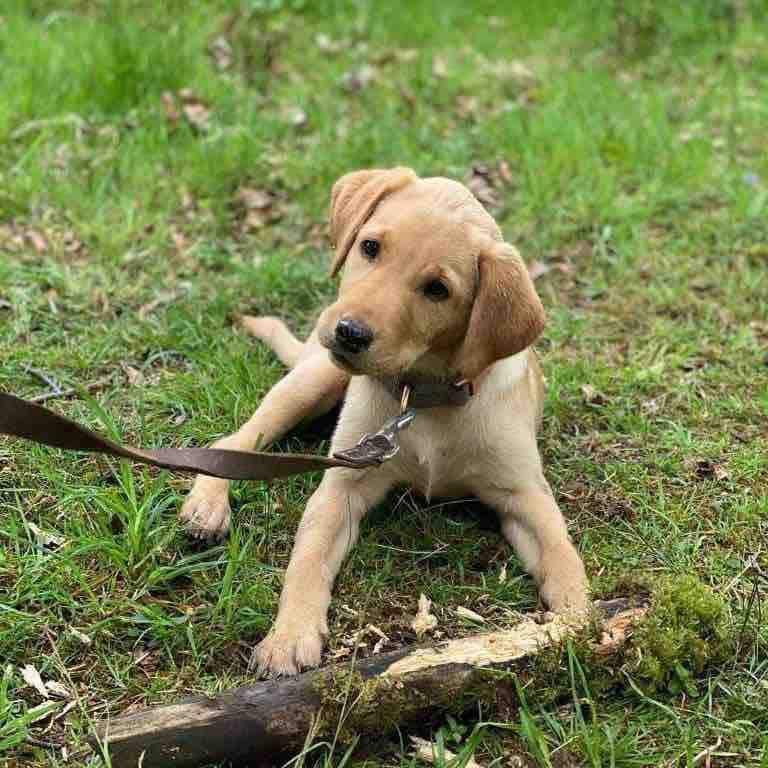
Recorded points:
273,717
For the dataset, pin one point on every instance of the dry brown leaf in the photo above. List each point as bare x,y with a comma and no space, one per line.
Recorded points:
197,112
709,470
221,52
592,396
255,198
481,184
134,375
81,636
504,172
168,102
37,241
424,621
467,106
361,78
57,690
33,680
45,539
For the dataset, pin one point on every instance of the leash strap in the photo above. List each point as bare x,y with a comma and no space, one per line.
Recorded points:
20,418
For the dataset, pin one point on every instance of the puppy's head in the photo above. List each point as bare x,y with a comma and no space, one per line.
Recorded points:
428,287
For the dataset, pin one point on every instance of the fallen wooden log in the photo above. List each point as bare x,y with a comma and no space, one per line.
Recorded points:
256,722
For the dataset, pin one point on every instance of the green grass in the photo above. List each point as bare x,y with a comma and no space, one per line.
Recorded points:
638,161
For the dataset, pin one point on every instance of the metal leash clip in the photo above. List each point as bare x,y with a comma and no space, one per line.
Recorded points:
377,447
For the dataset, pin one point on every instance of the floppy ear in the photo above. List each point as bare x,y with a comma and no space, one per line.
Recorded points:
354,198
507,315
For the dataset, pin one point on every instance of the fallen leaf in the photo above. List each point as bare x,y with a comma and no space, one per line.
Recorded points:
37,241
81,636
592,396
259,205
466,613
328,45
481,184
424,621
439,67
198,113
58,690
295,116
32,678
168,102
71,243
538,269
427,752
709,470
504,172
134,375
221,52
359,79
45,539
255,198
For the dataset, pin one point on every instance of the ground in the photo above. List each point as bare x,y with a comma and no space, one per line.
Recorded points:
166,166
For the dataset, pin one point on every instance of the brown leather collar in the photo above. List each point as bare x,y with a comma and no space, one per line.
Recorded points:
429,393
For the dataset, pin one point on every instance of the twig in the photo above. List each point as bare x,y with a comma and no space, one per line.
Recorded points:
64,393
42,743
44,377
34,125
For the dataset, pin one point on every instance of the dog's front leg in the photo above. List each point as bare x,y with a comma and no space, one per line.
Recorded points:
327,532
532,522
311,389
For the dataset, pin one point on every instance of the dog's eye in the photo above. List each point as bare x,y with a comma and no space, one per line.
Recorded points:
370,249
436,290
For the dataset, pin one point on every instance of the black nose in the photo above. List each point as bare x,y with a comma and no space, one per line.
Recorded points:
353,335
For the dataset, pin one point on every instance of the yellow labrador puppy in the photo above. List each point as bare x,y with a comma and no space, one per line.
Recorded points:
430,296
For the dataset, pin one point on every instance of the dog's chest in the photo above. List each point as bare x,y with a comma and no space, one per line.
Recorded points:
431,457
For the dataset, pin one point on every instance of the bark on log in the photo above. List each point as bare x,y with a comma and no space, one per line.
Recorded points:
252,724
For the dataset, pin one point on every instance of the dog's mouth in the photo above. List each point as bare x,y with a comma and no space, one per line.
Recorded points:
344,360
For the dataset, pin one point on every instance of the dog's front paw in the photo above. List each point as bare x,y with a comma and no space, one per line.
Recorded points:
288,649
206,513
570,598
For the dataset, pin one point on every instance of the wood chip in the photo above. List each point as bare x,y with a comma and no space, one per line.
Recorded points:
428,752
81,636
45,539
57,690
466,613
33,680
424,621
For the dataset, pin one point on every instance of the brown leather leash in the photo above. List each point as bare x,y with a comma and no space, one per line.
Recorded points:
20,418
